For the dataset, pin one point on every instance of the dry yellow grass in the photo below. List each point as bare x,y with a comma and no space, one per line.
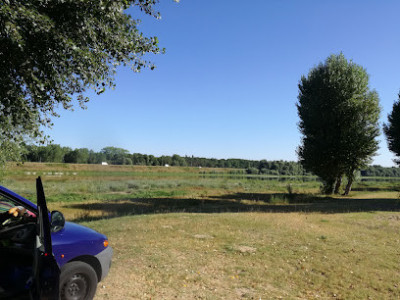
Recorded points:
222,238
253,256
38,167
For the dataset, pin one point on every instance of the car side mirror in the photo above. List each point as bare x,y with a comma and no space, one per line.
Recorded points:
57,221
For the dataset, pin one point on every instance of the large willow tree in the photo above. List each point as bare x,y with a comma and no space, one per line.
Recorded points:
338,120
392,130
52,51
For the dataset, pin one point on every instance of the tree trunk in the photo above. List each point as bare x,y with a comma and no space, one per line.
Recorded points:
348,186
328,186
338,184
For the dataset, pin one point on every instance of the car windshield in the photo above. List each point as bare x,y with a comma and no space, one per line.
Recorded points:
6,203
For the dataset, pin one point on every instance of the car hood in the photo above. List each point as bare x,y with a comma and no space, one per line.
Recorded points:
76,240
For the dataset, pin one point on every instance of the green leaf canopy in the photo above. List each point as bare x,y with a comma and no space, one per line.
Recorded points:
338,120
52,51
392,130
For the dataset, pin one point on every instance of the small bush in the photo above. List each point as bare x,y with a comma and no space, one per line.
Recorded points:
289,189
252,171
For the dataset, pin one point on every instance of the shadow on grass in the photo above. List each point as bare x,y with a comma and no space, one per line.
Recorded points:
238,202
377,189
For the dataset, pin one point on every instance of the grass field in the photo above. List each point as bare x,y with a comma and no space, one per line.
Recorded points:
186,233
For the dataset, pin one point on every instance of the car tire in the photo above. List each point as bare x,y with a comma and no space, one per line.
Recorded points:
78,281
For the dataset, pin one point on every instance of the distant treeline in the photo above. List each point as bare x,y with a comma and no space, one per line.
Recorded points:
379,171
118,156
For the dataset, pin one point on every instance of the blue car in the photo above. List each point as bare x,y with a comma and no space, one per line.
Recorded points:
44,257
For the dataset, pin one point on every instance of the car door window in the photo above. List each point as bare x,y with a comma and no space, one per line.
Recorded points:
6,204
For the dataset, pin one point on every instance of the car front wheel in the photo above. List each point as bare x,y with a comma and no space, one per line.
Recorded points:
78,281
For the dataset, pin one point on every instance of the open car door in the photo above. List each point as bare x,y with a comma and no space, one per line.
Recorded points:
46,273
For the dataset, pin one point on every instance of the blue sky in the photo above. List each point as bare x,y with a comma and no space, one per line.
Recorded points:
227,85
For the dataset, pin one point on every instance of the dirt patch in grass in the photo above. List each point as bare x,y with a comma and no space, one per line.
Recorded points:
245,249
202,236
